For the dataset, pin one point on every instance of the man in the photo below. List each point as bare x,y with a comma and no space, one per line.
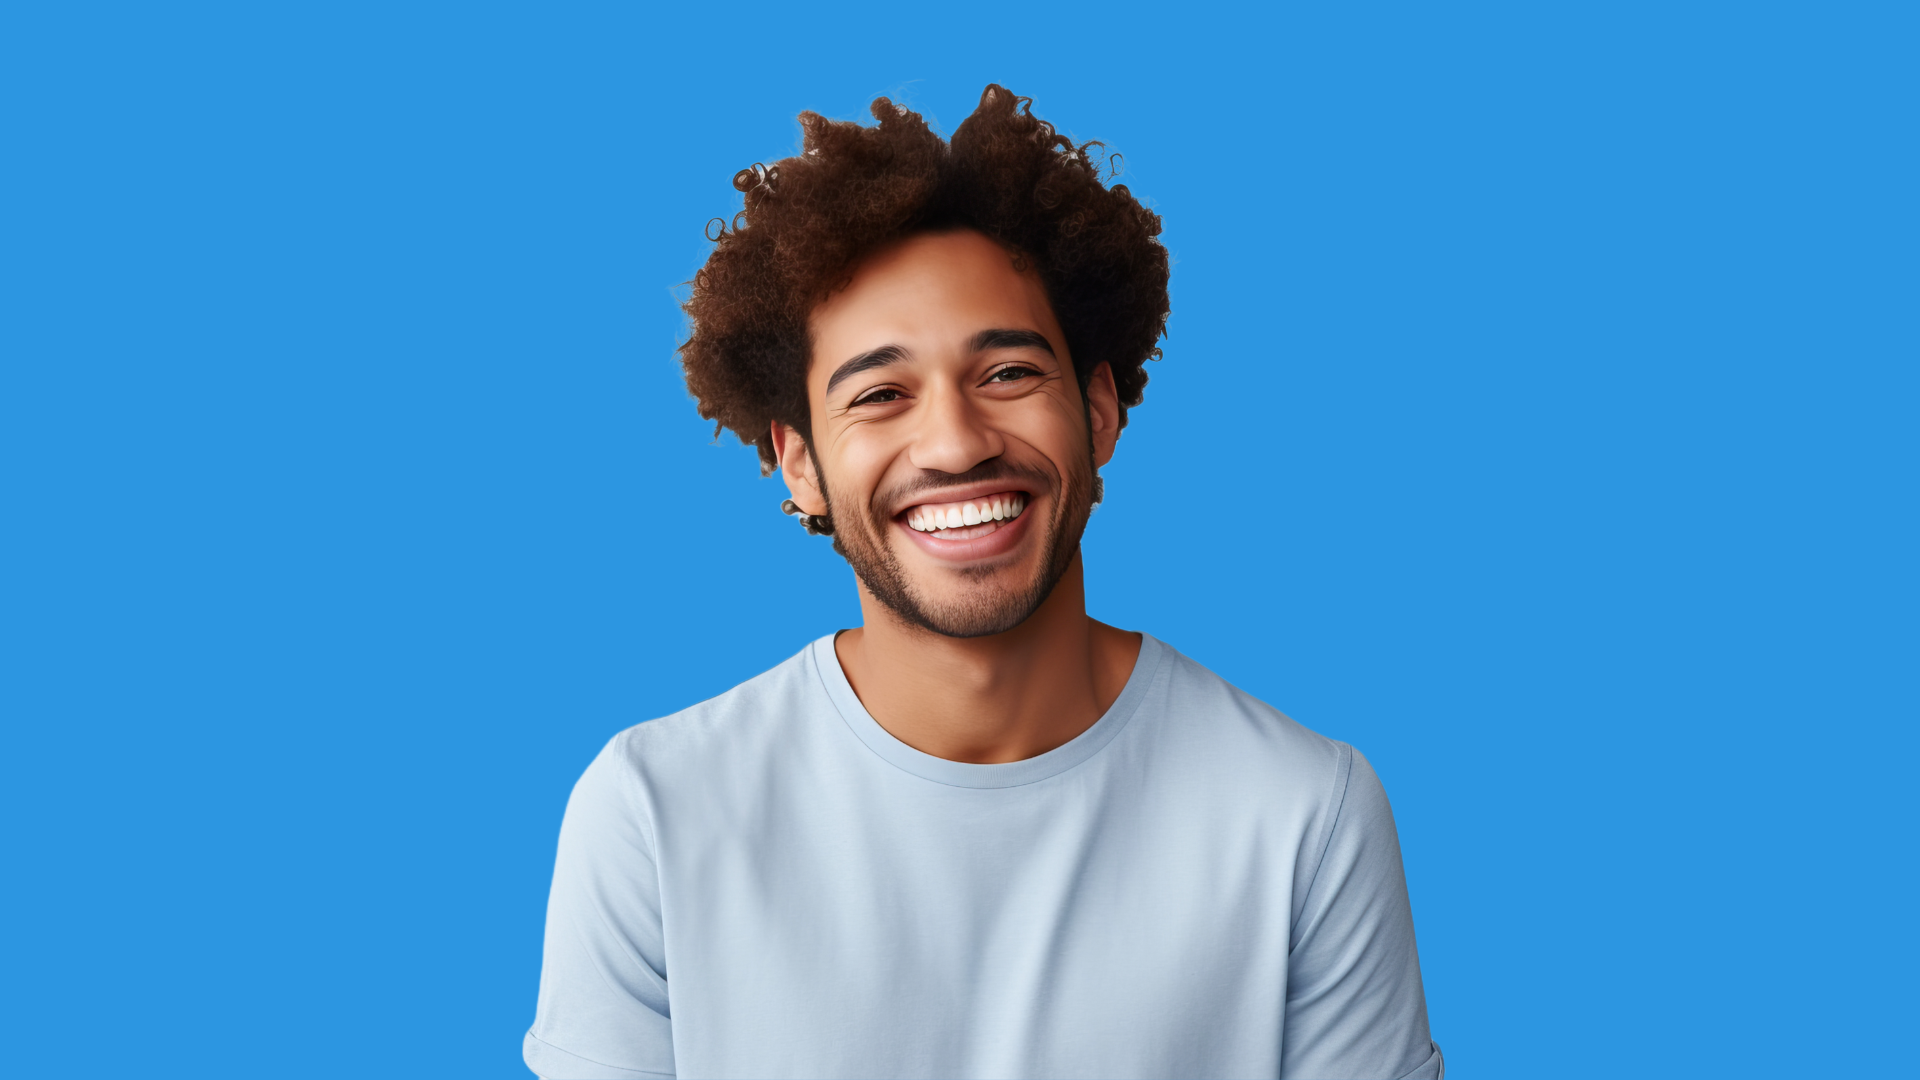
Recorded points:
981,834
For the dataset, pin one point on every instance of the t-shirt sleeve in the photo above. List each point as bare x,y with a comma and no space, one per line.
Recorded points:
1355,1006
602,1010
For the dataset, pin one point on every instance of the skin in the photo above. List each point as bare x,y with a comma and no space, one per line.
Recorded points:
980,650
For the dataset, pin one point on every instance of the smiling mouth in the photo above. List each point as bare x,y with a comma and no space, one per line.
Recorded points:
967,520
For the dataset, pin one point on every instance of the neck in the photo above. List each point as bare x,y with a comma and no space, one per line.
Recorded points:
1004,697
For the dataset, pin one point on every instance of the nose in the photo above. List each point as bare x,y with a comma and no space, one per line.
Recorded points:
953,434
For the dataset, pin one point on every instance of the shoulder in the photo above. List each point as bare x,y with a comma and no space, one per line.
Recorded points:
1238,758
1241,732
720,744
752,710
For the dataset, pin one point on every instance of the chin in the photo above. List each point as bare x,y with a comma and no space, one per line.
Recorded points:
977,616
970,602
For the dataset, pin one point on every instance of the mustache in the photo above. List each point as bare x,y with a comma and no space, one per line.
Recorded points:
993,469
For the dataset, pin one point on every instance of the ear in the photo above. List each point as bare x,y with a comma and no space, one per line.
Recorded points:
796,468
1103,412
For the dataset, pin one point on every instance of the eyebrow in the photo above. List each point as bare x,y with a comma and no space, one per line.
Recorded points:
1011,339
866,361
893,354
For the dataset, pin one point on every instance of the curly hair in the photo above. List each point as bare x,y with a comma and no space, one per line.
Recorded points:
809,219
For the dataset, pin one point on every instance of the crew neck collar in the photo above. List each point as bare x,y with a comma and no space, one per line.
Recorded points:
968,774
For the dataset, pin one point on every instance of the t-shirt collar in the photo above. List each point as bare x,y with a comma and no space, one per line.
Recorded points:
826,663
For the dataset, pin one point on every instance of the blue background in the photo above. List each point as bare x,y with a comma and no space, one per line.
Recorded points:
1537,415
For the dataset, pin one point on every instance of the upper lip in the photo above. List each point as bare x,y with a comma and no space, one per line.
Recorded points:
964,493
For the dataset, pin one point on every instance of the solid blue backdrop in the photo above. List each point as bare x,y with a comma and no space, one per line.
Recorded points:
1537,415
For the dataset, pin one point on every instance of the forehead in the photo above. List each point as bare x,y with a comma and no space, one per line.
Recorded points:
928,291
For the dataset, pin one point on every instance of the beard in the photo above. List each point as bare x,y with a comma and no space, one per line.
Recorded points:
863,535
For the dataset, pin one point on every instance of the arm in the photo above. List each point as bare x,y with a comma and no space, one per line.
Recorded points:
1355,1006
603,980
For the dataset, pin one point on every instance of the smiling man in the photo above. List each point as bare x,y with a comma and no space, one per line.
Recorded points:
982,834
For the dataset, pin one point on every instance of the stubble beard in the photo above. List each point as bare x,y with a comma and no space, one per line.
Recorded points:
863,535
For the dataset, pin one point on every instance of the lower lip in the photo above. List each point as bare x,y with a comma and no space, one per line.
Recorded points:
997,542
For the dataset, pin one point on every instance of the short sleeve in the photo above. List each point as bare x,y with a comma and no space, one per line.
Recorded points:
1355,1006
602,1010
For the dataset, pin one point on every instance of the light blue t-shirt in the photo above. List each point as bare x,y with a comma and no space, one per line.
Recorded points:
768,884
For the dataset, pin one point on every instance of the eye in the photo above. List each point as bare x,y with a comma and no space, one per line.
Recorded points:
879,396
1011,374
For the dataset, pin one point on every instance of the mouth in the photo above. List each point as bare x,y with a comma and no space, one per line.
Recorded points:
968,519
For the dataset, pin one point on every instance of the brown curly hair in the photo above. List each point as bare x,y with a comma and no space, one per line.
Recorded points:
809,219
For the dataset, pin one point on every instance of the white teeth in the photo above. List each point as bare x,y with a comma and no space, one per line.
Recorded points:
998,508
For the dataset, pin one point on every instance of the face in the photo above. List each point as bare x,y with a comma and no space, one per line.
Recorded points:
950,440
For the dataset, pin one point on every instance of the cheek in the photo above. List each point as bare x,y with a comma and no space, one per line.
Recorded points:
1055,427
855,472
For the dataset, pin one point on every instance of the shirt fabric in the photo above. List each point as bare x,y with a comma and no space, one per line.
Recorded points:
769,884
